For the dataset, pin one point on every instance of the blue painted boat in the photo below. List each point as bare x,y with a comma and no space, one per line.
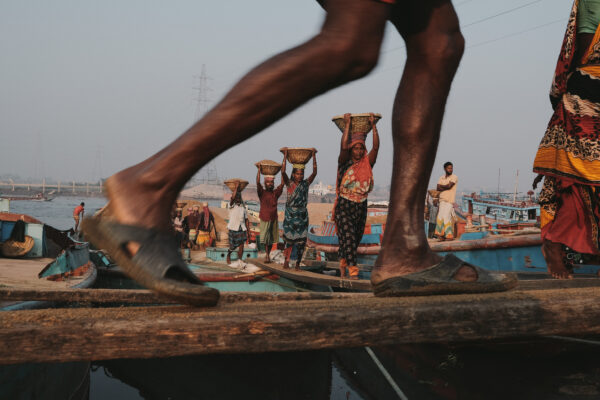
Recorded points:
55,260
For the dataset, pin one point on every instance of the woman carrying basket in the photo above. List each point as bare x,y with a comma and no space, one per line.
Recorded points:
354,182
295,223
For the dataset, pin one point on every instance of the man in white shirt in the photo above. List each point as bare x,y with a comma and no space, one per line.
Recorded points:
238,225
444,227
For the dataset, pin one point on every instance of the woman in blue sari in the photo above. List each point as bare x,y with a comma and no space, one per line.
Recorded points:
295,223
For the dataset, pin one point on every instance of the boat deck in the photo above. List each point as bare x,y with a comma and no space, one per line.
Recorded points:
22,273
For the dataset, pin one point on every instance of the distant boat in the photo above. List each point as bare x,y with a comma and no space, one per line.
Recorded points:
36,197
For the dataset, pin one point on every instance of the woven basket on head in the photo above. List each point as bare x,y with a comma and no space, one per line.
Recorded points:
180,204
230,183
268,167
359,123
299,155
12,248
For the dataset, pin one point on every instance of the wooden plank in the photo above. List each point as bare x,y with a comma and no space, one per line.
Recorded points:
135,296
74,334
315,278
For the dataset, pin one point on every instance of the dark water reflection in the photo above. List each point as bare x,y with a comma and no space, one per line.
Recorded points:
537,369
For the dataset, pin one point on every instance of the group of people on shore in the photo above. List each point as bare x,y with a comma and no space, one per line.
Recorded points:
195,228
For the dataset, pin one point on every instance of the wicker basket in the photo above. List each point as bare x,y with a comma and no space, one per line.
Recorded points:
180,204
359,122
268,167
231,183
12,248
299,155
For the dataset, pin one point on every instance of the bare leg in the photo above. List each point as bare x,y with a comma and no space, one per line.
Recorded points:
287,253
268,251
553,254
241,252
143,194
434,48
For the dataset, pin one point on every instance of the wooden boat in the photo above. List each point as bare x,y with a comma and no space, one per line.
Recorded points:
36,197
213,274
53,261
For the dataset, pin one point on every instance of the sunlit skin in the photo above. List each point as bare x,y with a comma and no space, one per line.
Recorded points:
143,194
358,152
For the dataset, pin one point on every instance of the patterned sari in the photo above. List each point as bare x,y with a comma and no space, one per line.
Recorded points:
569,153
295,223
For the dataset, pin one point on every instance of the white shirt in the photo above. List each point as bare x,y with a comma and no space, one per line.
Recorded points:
450,194
237,218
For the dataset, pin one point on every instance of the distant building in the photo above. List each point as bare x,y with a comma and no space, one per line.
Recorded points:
321,189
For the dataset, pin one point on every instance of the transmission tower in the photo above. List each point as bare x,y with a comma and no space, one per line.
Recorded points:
203,101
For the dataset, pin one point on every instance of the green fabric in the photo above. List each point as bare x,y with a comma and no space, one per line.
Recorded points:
269,232
588,16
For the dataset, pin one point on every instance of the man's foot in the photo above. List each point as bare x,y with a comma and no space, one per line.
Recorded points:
267,260
133,202
394,262
553,253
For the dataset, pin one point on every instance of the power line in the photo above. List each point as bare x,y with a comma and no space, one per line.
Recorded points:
516,33
500,13
480,20
500,38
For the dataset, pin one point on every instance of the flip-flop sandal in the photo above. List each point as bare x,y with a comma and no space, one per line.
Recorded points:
439,279
157,265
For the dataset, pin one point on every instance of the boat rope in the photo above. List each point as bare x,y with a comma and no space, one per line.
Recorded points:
575,340
386,374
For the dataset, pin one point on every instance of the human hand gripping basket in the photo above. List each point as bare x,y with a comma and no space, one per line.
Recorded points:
231,184
359,123
298,155
268,167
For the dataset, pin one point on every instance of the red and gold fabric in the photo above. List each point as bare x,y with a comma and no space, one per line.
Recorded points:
357,181
569,153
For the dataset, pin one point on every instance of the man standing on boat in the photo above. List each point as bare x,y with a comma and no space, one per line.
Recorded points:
238,225
444,226
269,224
78,214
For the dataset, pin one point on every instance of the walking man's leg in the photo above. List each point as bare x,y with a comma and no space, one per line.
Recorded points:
434,48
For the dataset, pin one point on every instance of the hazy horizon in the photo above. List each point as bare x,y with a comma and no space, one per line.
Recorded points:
91,88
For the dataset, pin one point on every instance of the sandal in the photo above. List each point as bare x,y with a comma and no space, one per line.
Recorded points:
157,265
439,279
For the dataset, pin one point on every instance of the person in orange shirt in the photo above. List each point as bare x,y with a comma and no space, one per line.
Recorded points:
78,214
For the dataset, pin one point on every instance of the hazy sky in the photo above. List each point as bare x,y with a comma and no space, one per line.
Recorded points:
88,88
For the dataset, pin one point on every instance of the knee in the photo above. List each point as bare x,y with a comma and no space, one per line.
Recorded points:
350,56
444,49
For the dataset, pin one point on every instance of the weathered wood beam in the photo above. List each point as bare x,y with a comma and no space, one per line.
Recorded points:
135,296
60,335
